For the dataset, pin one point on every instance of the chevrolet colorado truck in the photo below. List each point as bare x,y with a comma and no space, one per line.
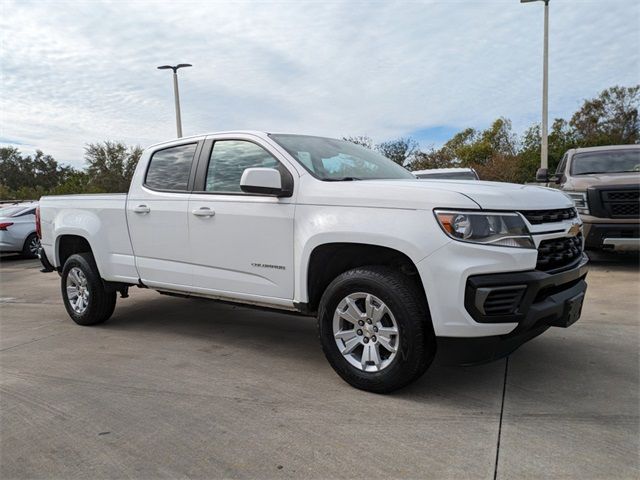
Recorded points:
604,183
395,268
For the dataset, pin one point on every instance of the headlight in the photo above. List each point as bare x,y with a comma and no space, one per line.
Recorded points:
500,229
580,201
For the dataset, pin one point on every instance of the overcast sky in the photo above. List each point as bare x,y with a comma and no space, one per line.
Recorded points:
83,71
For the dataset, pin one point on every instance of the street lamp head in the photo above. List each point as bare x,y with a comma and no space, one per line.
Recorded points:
174,68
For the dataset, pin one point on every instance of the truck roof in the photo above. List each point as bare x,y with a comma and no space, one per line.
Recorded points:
605,148
201,135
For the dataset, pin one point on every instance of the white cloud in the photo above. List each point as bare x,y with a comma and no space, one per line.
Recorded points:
78,72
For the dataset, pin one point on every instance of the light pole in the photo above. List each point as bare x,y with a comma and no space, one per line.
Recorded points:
175,92
544,156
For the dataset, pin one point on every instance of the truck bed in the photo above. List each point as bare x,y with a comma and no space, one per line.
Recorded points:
104,217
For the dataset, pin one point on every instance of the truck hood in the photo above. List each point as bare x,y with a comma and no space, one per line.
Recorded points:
582,182
428,194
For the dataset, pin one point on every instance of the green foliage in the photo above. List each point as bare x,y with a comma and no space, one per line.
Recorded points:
362,140
110,166
609,119
30,177
498,154
402,151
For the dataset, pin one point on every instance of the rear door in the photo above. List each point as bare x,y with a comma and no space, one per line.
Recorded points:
244,245
157,217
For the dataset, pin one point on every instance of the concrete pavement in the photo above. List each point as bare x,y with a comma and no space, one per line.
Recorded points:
175,388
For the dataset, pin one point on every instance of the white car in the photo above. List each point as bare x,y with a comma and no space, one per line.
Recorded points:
18,229
395,268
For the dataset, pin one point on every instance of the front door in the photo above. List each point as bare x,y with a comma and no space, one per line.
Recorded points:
240,243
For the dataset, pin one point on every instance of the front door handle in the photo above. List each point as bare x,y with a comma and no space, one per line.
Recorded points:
141,209
204,212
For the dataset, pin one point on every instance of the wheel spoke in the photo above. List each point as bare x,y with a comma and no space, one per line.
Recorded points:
346,334
72,293
351,313
370,354
350,345
378,313
387,344
387,332
369,306
74,277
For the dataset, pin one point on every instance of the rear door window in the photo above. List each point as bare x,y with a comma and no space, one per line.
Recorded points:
169,169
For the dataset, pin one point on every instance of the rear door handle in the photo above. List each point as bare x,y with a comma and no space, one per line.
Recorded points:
204,212
141,209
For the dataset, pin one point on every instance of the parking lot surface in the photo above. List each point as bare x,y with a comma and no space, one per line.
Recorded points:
177,388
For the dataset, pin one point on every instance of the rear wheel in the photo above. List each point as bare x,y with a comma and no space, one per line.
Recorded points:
85,297
375,329
31,246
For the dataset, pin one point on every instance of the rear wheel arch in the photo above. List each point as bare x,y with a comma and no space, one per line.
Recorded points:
67,245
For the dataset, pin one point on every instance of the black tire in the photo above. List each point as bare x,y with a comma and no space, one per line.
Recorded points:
101,302
27,251
417,344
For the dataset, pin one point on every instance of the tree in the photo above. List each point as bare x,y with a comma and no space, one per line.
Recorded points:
433,158
362,140
27,177
609,119
401,150
110,165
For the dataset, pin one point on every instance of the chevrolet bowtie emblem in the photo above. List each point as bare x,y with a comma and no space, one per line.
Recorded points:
574,230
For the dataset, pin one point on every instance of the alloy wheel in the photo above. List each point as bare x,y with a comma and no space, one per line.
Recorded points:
78,290
34,246
366,332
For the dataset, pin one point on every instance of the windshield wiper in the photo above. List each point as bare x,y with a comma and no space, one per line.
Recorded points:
342,179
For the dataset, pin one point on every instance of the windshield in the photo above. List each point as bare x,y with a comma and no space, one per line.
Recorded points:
335,160
612,161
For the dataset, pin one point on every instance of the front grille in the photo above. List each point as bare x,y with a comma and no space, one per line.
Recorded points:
624,209
536,217
621,203
559,252
621,195
503,300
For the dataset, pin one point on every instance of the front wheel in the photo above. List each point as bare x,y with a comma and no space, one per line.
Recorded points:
85,297
375,329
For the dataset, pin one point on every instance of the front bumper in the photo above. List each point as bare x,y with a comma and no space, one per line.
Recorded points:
616,235
534,300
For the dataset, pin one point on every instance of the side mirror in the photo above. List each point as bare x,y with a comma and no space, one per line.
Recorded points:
264,181
542,175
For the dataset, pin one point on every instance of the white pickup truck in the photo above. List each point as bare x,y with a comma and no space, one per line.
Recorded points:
395,268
